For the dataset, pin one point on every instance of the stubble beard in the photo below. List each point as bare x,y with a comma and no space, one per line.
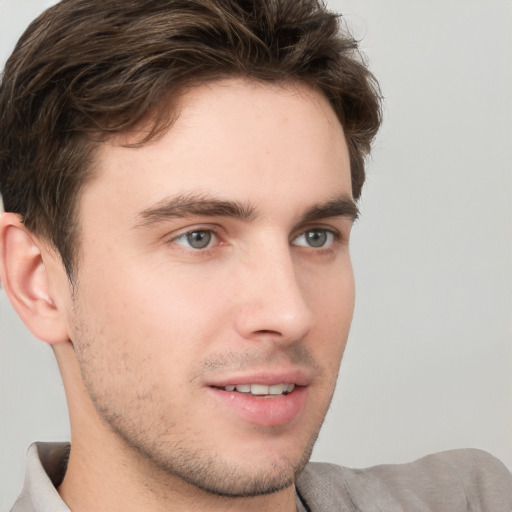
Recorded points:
206,471
197,466
181,458
213,475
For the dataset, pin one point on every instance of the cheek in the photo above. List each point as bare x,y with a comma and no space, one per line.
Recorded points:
171,313
330,294
332,302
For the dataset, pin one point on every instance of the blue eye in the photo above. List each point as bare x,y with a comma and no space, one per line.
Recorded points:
199,239
315,238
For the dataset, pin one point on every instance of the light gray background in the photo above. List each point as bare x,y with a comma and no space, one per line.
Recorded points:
429,363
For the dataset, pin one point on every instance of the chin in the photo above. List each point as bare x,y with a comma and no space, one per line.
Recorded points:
232,476
221,478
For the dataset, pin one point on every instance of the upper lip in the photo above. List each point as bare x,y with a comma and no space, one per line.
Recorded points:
269,378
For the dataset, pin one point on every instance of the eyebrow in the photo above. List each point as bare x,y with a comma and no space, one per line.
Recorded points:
189,205
342,206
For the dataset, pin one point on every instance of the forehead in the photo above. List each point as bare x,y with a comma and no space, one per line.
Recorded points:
232,137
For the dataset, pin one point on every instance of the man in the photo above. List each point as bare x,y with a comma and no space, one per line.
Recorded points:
180,180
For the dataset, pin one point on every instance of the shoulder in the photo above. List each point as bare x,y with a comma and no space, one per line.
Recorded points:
45,468
452,481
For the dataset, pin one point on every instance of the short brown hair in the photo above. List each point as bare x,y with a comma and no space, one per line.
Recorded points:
87,69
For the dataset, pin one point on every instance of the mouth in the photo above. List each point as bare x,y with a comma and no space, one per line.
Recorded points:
260,390
265,399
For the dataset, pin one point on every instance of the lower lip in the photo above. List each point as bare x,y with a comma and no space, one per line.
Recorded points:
264,410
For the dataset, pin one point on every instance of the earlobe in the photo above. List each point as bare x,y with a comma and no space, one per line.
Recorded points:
25,278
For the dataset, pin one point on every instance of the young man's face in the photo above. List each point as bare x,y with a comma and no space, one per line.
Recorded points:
214,287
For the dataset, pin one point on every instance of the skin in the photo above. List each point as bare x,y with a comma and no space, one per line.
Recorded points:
153,322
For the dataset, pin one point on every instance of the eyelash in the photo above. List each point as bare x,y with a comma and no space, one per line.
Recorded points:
336,237
185,235
329,232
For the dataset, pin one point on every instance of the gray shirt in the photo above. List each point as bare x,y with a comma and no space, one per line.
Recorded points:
453,481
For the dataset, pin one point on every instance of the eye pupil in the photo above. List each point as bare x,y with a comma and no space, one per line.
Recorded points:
199,239
316,238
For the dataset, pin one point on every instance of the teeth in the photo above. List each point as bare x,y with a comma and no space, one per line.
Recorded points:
259,389
277,389
262,389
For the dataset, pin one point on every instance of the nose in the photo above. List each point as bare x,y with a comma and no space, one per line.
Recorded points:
271,302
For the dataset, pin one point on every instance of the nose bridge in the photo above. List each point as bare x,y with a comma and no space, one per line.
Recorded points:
273,303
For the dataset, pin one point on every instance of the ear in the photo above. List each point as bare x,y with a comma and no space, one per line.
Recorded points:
24,276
